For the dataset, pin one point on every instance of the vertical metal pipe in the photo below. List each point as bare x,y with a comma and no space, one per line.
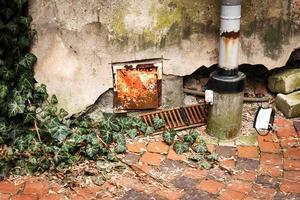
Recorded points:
227,83
229,36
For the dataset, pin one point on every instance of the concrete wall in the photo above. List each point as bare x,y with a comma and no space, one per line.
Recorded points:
77,39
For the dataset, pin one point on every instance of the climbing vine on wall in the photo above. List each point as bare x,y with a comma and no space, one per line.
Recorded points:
36,135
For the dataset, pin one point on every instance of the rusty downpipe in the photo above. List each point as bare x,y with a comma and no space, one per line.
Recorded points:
227,83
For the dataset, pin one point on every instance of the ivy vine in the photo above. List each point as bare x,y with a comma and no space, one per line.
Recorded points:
36,135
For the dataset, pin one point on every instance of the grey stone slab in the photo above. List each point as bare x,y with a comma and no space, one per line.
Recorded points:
285,82
289,104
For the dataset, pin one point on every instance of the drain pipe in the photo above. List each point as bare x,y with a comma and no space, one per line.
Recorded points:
227,83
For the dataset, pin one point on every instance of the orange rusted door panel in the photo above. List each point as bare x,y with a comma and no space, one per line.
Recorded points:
137,87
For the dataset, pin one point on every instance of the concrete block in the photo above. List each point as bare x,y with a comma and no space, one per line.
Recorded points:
289,104
285,82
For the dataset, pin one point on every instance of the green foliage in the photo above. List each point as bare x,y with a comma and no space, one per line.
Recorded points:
181,147
158,122
169,136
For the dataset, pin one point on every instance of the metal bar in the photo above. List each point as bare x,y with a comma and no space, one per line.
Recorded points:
180,118
194,109
171,118
191,115
175,117
150,117
167,119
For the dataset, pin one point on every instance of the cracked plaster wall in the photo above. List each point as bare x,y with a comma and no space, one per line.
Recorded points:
77,39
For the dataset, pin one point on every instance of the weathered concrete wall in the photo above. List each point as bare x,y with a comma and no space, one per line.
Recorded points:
77,39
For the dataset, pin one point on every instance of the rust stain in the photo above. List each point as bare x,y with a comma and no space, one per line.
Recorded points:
137,88
231,34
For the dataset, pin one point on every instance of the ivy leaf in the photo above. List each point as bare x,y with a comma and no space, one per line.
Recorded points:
7,74
24,42
189,139
62,113
132,133
29,117
25,21
28,60
180,148
213,157
111,157
197,157
15,107
12,28
200,147
147,130
54,99
193,133
41,92
107,137
20,3
92,151
119,138
120,148
205,164
3,127
158,122
60,132
3,90
169,136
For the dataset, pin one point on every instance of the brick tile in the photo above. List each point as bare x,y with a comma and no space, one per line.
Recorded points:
170,194
184,182
173,156
289,164
270,159
239,186
25,197
8,187
4,196
272,170
247,164
158,147
281,122
289,142
267,138
152,158
194,173
52,197
290,186
247,152
225,151
260,192
284,132
227,163
292,153
211,186
268,181
231,195
268,147
36,187
211,147
292,175
131,158
55,187
142,168
136,147
245,175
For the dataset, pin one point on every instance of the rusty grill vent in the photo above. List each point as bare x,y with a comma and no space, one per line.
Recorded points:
179,118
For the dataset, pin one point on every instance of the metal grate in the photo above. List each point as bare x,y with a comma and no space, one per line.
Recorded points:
179,118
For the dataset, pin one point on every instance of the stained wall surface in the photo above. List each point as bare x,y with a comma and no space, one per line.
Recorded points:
77,39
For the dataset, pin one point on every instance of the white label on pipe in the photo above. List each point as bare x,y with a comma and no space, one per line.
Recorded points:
209,96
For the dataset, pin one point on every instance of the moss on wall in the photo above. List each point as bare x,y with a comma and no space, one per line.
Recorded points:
177,20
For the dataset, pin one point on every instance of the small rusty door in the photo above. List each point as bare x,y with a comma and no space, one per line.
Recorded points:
137,85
